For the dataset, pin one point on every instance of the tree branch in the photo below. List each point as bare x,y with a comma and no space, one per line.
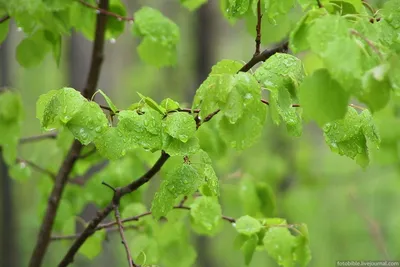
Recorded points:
43,238
283,48
258,29
5,18
120,192
37,168
121,232
82,179
29,139
106,12
320,5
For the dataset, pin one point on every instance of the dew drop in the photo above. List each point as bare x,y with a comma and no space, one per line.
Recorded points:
19,29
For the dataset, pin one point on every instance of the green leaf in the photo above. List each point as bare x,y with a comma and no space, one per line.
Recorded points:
247,130
302,253
298,37
60,107
377,88
180,125
175,147
275,8
247,225
279,244
10,106
4,26
391,13
237,8
111,144
211,185
31,51
89,123
20,172
168,104
93,245
115,27
160,37
153,104
83,19
184,180
325,30
192,4
133,209
349,136
205,215
141,129
248,248
257,198
109,102
342,50
322,98
216,88
281,74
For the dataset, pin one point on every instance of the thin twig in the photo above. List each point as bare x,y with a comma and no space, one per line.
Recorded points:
320,5
108,108
40,137
120,192
184,199
258,29
106,12
37,168
75,236
54,199
282,48
121,233
373,226
369,42
5,18
87,154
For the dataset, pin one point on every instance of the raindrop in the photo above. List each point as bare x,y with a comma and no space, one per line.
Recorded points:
22,164
98,129
113,41
19,29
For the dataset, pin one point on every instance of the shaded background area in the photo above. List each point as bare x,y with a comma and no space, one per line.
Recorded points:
351,213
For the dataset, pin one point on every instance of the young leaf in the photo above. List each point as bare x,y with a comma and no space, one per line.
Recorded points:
32,50
215,89
168,104
192,4
391,13
248,225
184,180
111,143
93,245
237,8
20,172
175,147
349,136
322,98
160,37
141,129
205,215
109,102
153,104
246,130
4,30
180,126
279,244
248,248
89,123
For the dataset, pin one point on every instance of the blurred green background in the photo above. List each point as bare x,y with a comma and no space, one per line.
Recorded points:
351,213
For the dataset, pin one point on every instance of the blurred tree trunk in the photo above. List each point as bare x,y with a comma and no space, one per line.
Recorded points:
9,252
203,40
80,51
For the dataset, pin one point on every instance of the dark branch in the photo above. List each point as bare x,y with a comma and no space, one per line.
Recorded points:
73,154
320,5
283,48
5,18
106,12
35,138
75,236
120,192
258,29
122,234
